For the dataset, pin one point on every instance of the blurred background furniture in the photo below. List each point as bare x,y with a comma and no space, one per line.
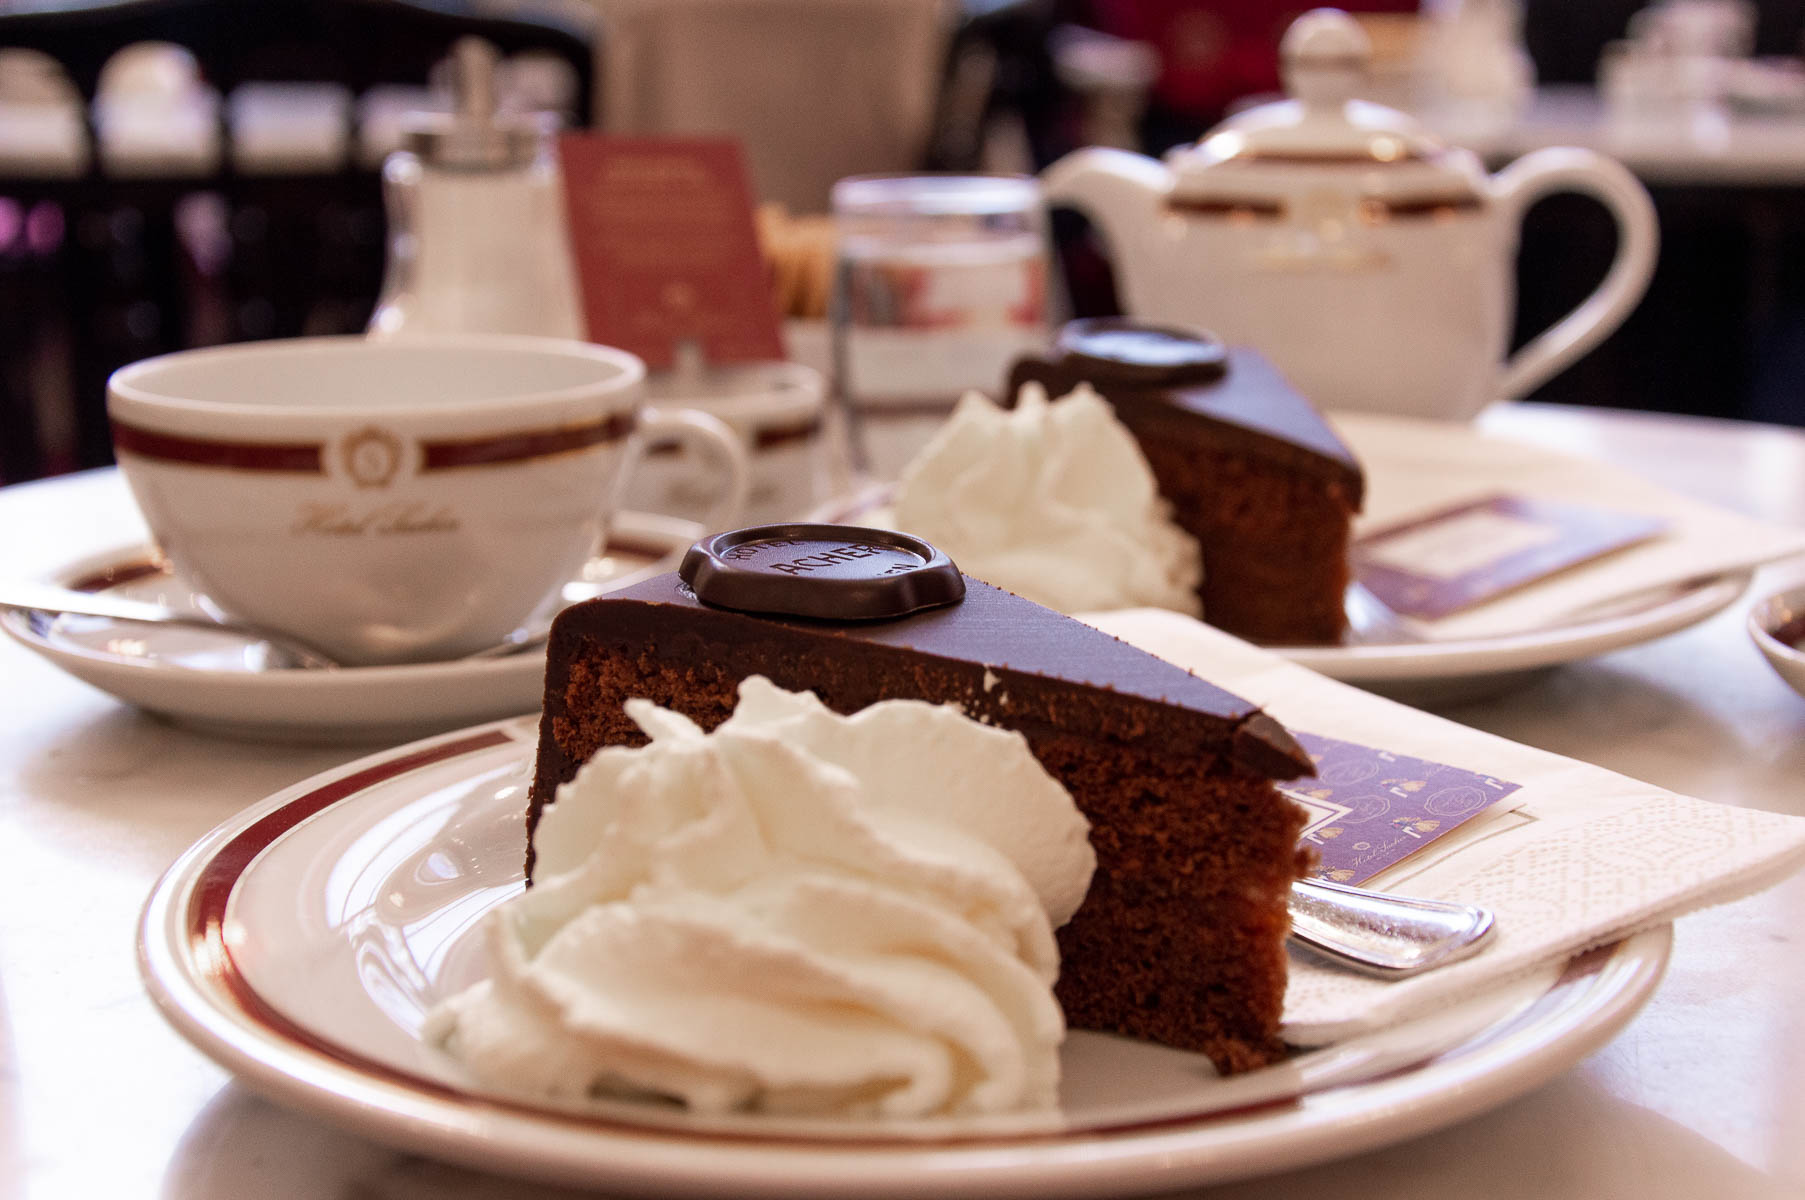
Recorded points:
814,89
263,219
258,227
1721,331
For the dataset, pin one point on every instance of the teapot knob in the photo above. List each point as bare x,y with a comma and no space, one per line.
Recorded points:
1324,57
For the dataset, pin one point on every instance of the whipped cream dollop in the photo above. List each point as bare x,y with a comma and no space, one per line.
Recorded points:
1053,501
799,912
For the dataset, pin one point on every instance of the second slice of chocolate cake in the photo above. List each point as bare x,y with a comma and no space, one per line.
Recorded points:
1252,470
1181,937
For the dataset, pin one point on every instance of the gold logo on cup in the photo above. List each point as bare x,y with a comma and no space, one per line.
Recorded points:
371,456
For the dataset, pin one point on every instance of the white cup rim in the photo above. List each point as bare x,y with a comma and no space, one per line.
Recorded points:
132,385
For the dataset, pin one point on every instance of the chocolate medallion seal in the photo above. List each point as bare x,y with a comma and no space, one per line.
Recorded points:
1137,353
830,572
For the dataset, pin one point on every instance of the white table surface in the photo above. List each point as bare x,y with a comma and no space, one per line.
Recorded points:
1711,148
1699,1096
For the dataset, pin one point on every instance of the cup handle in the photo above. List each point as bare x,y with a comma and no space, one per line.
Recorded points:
1567,168
714,440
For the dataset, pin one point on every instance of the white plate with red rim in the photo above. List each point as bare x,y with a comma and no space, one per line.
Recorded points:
222,683
1377,653
301,943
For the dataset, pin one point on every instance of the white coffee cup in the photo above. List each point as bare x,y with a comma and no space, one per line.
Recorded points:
776,408
390,501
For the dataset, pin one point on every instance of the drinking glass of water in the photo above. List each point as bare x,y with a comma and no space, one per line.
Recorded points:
941,283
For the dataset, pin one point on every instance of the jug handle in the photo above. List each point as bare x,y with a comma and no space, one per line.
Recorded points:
1570,169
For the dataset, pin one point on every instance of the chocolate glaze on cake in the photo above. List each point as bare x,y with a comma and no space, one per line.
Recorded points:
1027,649
1140,369
1253,471
1181,937
837,572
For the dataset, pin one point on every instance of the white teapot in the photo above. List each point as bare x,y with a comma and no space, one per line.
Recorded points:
1372,263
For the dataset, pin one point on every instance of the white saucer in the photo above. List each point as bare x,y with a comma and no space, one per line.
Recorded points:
301,943
221,683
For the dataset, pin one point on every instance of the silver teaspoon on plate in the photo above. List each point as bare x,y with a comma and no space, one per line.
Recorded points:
48,598
288,651
1392,937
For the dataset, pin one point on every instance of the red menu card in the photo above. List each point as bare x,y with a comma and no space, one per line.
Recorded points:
665,246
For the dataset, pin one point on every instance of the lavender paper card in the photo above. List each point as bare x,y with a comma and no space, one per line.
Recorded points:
1371,809
1447,561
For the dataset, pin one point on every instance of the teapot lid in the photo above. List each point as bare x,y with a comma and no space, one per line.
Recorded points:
1322,134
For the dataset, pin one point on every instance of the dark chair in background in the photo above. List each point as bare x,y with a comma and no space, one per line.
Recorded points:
1721,331
101,270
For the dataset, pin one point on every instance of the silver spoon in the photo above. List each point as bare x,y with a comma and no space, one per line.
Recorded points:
1372,622
48,598
289,651
1392,937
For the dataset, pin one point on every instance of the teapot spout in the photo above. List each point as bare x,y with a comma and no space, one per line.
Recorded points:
1120,192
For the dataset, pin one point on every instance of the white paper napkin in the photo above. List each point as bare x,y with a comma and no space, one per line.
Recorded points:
1583,858
1415,467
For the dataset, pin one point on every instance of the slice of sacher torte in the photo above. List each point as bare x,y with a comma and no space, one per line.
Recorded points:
1252,470
1181,937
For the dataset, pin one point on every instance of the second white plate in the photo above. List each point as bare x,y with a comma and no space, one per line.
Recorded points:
1468,667
1376,656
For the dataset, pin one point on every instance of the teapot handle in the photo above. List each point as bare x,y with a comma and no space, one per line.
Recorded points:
1569,169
